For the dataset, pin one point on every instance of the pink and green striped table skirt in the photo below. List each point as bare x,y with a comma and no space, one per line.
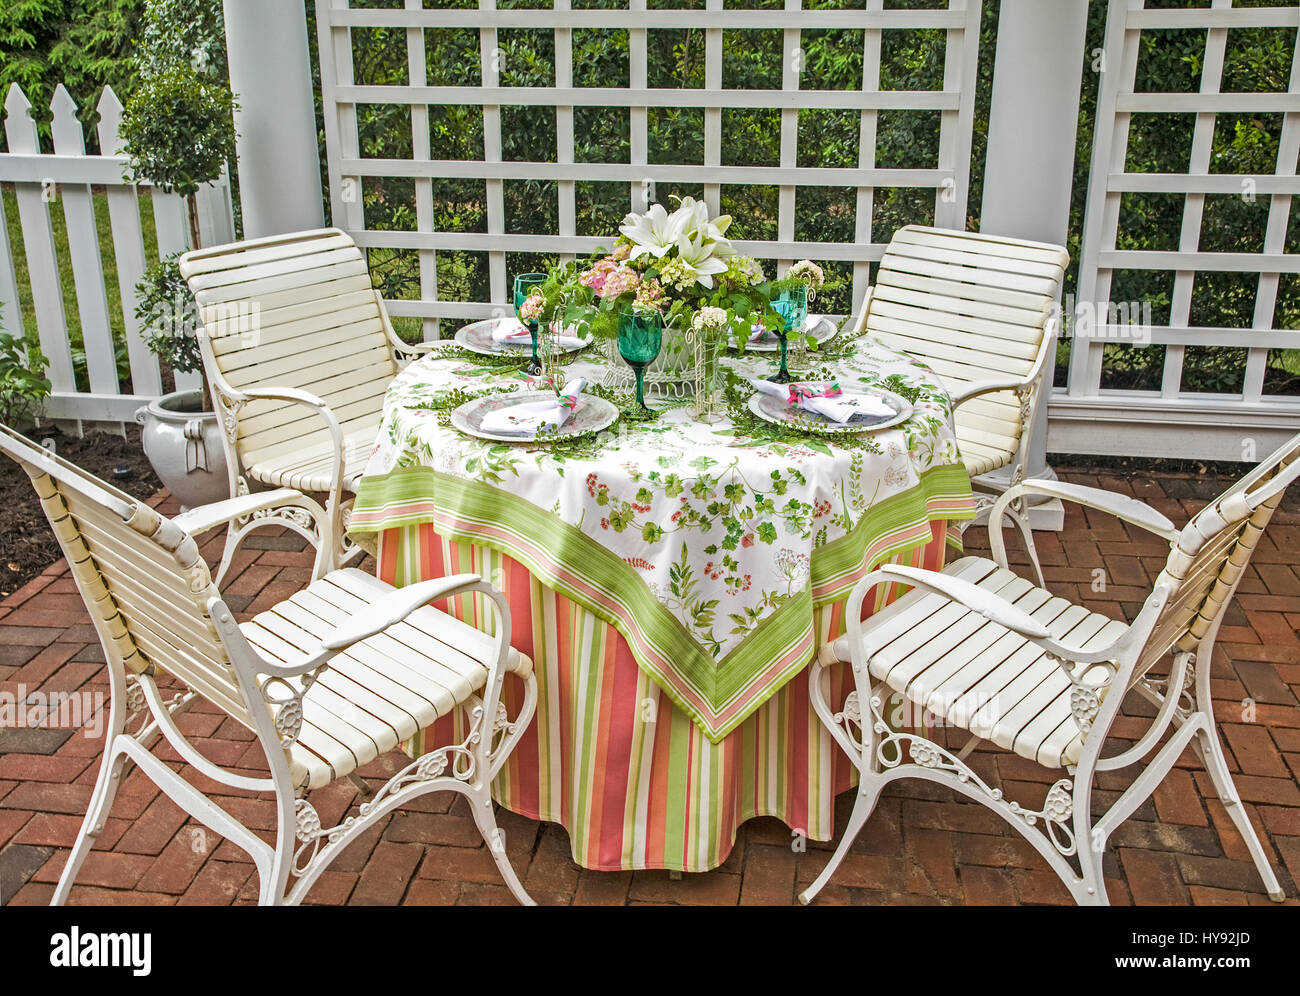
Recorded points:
633,779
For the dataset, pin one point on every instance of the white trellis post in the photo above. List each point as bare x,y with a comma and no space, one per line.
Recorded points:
1029,168
270,74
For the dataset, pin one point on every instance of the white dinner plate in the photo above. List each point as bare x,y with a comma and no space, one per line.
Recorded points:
477,338
819,327
779,412
590,414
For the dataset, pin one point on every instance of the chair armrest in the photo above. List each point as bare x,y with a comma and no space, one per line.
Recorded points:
399,345
1123,507
860,324
293,394
982,387
394,607
992,608
376,617
205,517
298,396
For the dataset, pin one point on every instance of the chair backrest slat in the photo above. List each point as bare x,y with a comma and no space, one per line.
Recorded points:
972,307
142,579
1211,555
293,311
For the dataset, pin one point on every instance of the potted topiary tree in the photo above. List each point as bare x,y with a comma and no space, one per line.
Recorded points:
178,133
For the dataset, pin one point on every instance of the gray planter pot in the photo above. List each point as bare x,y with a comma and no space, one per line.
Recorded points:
184,446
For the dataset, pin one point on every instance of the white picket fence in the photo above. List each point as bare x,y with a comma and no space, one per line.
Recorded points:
79,185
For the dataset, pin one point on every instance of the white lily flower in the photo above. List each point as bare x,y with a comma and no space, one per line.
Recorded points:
698,224
700,259
654,232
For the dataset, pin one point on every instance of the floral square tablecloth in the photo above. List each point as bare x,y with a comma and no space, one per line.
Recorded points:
707,546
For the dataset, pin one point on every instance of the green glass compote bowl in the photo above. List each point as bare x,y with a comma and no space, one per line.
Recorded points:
792,306
640,337
525,284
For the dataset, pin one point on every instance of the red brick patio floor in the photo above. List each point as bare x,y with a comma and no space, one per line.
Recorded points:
921,846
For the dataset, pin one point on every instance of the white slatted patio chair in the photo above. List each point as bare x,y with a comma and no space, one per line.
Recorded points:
328,679
298,350
981,312
991,654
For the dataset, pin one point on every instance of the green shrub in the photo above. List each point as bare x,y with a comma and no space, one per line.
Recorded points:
23,386
83,44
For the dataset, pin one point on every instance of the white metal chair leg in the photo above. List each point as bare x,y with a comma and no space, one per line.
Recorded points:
863,806
1207,746
111,770
101,801
236,533
486,821
274,884
234,540
1021,519
1090,888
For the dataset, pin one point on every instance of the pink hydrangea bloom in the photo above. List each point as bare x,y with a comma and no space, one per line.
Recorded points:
531,309
595,277
620,281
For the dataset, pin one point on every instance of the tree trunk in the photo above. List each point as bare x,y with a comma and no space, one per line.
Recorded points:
192,203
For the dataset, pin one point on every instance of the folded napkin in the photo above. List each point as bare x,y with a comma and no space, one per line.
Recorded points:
826,399
531,417
513,332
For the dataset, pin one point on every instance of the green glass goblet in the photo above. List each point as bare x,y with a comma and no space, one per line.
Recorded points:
640,337
525,284
792,306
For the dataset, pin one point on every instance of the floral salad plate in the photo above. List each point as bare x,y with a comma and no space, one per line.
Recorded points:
781,412
478,337
590,414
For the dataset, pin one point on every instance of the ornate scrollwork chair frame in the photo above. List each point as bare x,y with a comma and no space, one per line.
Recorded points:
326,680
1063,715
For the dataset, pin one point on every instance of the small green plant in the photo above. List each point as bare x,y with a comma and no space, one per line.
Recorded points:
23,386
169,318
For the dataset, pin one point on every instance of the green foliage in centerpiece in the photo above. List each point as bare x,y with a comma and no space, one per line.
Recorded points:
674,263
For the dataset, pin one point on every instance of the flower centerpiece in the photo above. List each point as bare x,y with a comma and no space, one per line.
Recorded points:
679,264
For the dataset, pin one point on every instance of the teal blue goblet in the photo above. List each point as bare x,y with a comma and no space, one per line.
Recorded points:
792,306
640,337
525,284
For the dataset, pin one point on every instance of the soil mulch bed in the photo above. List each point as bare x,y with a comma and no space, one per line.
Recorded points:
27,546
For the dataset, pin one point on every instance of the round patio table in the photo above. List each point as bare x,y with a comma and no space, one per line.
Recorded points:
671,580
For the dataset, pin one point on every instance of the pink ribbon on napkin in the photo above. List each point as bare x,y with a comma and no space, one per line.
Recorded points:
802,392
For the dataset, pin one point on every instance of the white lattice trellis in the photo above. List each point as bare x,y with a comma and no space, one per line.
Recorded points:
949,178
1172,421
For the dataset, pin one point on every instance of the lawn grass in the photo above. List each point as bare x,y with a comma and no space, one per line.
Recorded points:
72,313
